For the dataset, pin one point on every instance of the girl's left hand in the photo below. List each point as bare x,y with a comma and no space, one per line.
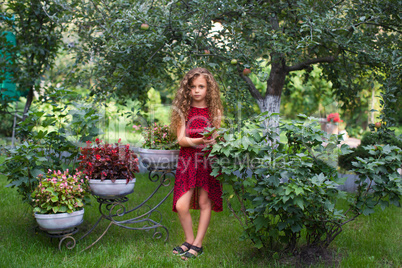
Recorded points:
207,141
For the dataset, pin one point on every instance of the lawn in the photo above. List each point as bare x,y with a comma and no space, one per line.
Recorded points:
371,241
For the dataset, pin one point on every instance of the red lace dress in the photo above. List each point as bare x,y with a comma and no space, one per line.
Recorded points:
193,168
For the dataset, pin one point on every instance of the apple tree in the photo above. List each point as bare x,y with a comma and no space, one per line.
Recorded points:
135,45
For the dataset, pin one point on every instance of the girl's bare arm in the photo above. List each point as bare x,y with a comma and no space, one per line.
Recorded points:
186,141
192,142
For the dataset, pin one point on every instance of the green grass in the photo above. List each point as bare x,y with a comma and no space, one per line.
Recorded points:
372,241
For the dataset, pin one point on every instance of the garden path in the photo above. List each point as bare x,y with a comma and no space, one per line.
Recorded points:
352,142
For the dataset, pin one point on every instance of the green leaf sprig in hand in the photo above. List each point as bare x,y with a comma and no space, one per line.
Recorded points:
59,192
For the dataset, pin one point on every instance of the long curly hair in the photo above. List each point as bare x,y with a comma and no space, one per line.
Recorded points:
182,101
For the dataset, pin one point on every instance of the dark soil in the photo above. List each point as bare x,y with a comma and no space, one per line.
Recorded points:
310,256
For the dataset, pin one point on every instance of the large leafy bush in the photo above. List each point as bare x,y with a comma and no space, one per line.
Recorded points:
284,192
50,138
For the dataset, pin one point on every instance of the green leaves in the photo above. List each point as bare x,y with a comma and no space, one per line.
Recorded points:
52,134
59,192
290,188
293,186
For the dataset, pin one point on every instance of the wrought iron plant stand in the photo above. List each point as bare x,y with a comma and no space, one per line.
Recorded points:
114,208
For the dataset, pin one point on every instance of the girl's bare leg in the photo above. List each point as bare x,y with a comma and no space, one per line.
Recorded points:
205,217
183,210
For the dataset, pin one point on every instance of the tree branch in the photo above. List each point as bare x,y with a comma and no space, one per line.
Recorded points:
307,63
384,26
251,87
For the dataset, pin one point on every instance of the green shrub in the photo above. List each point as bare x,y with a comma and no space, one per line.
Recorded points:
50,139
6,125
286,192
369,138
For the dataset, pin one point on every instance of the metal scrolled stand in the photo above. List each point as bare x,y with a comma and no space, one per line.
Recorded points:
63,236
113,208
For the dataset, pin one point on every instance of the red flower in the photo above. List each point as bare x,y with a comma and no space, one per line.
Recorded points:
334,117
101,160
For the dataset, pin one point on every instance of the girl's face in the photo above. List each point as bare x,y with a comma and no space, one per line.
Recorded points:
198,91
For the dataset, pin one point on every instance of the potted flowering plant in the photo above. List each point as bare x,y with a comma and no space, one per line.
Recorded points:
160,150
109,168
333,120
59,200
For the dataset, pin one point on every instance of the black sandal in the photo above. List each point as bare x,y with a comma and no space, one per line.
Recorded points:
180,250
187,255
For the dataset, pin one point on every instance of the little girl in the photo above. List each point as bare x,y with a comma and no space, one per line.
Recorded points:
197,105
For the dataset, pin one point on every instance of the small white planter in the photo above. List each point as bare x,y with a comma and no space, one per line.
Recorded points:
165,159
109,189
59,222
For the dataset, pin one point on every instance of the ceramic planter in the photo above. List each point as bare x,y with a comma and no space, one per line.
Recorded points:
59,222
331,128
108,189
159,159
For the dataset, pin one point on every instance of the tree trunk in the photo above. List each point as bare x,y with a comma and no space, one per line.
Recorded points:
270,104
272,99
28,103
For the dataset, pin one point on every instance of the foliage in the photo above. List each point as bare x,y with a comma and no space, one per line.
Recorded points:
52,133
107,162
382,136
349,39
292,188
59,192
378,174
391,88
306,92
6,124
157,136
39,38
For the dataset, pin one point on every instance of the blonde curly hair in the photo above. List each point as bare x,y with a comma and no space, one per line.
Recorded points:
182,101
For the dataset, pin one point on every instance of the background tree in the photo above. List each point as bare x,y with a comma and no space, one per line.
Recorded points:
38,40
348,39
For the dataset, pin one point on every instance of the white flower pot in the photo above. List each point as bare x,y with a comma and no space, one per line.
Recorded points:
331,128
109,189
165,159
59,222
